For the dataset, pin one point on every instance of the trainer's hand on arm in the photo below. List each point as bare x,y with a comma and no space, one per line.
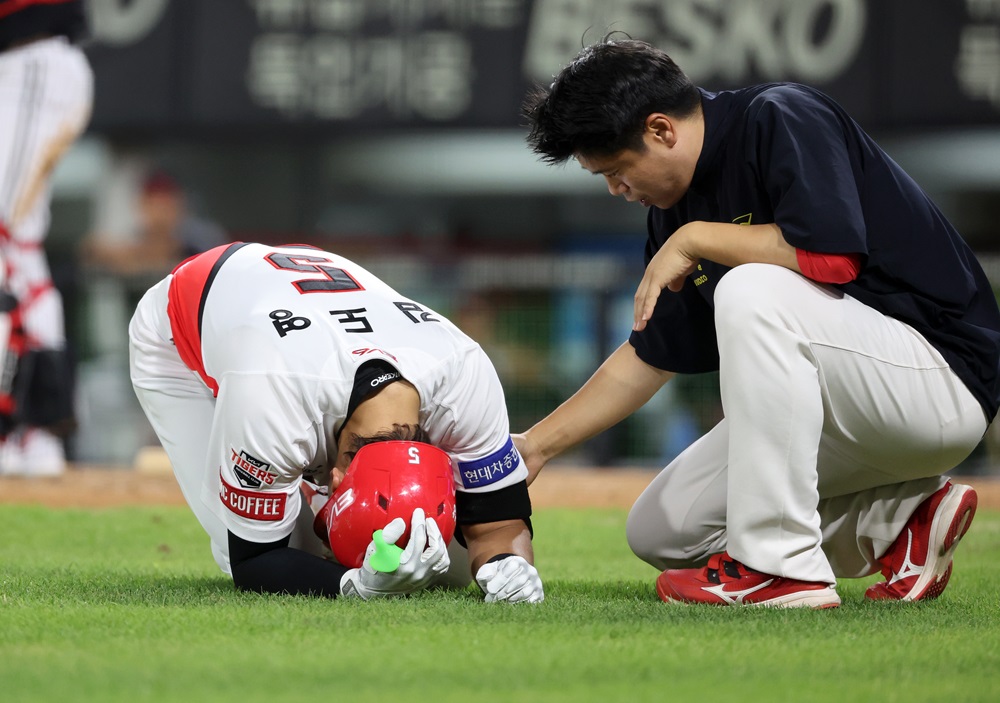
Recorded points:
501,557
622,385
424,560
722,242
531,455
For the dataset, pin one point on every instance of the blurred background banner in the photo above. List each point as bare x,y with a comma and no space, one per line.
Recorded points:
389,131
368,65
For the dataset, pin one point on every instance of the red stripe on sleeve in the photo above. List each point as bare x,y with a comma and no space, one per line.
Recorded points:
828,268
187,288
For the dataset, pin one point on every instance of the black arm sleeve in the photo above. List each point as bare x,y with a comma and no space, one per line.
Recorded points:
510,503
277,568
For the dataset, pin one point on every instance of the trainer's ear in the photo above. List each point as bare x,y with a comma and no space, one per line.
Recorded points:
662,127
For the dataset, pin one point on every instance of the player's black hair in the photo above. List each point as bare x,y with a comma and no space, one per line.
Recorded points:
598,103
404,432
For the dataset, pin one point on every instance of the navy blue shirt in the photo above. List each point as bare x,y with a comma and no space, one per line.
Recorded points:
788,154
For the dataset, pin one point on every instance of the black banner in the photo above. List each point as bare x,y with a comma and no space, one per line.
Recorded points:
358,65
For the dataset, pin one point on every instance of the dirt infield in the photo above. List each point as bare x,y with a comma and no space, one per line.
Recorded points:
97,487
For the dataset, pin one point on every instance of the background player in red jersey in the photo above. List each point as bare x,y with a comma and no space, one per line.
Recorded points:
856,336
46,93
261,367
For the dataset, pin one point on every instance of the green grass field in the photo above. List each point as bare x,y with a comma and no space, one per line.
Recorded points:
127,605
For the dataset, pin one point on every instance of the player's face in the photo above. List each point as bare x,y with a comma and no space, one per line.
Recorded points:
336,477
658,174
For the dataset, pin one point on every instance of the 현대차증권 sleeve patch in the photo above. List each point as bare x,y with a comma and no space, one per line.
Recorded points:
491,468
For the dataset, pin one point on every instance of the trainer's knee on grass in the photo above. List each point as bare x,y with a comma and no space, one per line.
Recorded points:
658,537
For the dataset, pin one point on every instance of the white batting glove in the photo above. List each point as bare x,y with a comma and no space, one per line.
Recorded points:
424,560
511,579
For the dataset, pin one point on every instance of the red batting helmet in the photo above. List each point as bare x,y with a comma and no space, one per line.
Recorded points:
387,480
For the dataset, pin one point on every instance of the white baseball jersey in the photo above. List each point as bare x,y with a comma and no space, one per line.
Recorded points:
278,334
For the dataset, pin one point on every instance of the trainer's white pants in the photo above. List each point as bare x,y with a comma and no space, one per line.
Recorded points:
839,422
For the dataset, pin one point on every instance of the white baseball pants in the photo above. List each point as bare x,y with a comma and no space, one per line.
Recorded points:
839,422
46,95
181,409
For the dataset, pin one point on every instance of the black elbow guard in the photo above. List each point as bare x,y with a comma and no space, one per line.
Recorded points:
510,503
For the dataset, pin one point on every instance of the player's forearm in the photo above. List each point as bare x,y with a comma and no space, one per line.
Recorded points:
277,568
732,245
622,385
487,540
289,571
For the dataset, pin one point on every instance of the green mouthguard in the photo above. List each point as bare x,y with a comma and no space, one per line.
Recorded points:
386,556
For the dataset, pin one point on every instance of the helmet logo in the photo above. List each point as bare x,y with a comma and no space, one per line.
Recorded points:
344,501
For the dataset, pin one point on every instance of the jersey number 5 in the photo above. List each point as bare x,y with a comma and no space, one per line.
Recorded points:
331,280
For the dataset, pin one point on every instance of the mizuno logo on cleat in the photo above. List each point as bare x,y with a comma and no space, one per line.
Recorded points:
735,596
908,568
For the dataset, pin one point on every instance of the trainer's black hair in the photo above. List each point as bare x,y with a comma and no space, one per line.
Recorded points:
404,432
597,105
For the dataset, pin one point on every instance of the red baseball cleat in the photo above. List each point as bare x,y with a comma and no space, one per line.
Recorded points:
725,581
918,564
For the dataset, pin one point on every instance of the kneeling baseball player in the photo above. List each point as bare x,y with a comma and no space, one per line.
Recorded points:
260,367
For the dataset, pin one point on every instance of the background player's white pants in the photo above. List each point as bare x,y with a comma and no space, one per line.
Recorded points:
46,95
839,422
181,408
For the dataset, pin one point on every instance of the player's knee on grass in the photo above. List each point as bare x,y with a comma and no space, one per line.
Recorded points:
459,574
